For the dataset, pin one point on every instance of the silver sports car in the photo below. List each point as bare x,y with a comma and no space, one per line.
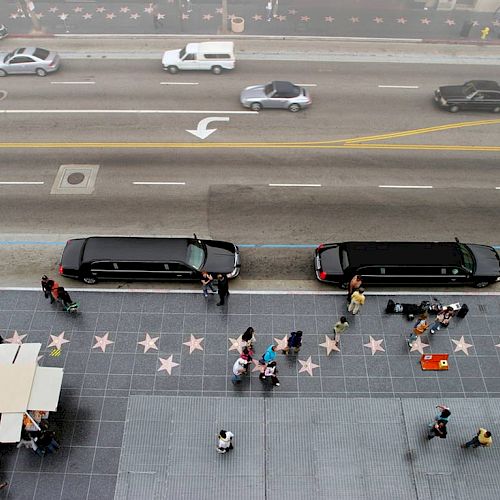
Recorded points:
283,95
29,60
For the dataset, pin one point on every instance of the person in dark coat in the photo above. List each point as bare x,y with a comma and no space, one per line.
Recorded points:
438,430
222,288
294,342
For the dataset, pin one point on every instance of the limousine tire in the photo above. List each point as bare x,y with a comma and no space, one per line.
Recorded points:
90,280
454,108
216,70
481,284
173,70
496,109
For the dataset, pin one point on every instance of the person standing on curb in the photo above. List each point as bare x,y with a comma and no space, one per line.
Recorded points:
339,328
357,300
222,288
239,369
418,329
269,10
294,342
354,284
482,438
442,319
225,441
207,283
249,337
438,430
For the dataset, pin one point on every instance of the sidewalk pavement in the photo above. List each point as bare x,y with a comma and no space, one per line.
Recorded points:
125,344
383,19
275,49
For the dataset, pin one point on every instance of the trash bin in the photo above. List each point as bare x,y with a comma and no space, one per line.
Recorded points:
237,24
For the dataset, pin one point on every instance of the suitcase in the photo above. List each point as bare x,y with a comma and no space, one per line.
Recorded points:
462,312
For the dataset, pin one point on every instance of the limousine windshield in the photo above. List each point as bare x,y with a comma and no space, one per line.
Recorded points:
196,255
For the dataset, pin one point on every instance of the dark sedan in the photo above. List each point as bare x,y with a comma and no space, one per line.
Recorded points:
146,258
476,95
408,263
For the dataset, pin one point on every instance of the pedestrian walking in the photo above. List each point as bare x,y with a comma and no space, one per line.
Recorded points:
339,328
270,374
249,337
418,329
225,441
442,319
443,413
222,288
207,283
357,300
157,23
269,11
3,485
355,284
482,438
294,342
485,32
239,369
438,430
269,355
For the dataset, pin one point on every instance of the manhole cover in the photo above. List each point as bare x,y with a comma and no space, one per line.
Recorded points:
75,178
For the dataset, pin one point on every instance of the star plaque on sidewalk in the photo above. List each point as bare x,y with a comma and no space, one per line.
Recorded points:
375,345
194,344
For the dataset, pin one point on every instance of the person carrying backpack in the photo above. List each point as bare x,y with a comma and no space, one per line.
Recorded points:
294,342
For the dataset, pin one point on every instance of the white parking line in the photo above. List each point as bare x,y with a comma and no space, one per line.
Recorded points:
124,111
398,87
72,83
179,83
145,183
405,187
294,185
19,183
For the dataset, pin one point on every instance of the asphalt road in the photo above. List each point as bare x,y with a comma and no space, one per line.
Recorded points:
225,191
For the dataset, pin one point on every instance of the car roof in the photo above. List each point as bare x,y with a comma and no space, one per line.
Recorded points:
282,86
124,248
215,47
368,253
485,85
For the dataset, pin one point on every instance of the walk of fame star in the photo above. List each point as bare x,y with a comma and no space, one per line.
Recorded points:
58,341
257,17
330,345
378,20
402,20
307,366
450,22
236,344
375,345
461,345
124,10
87,16
16,338
167,364
194,344
418,345
281,344
329,19
257,367
425,21
149,343
135,16
102,342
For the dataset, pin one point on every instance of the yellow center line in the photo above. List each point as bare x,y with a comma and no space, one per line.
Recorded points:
347,143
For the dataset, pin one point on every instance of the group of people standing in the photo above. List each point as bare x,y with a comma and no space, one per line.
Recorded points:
443,319
267,362
56,293
208,282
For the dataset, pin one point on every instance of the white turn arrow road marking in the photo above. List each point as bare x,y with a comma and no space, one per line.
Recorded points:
202,132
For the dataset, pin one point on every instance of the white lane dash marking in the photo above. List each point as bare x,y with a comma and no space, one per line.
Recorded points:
179,83
398,87
306,84
498,187
405,187
19,183
145,183
124,111
72,83
294,185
